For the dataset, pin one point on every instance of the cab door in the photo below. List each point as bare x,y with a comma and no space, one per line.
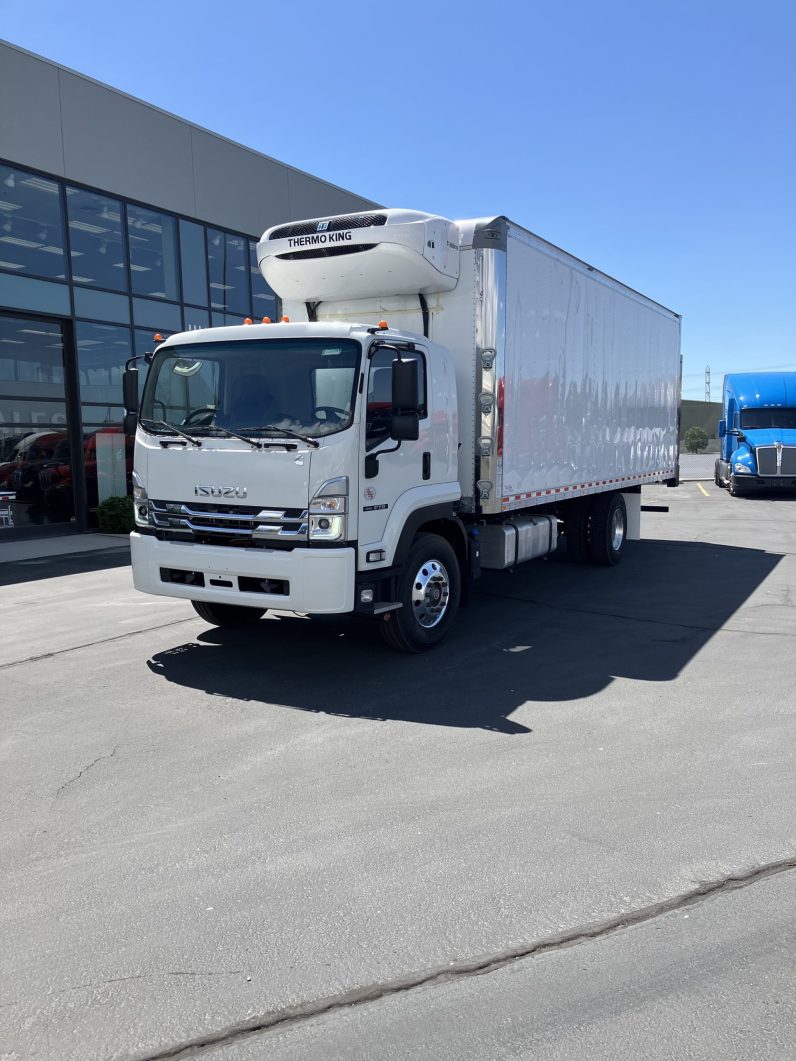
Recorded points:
400,467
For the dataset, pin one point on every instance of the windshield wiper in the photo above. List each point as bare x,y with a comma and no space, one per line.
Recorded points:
273,429
227,433
148,424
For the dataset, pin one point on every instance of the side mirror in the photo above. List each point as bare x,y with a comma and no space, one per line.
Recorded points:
130,390
405,427
405,422
722,428
405,396
130,423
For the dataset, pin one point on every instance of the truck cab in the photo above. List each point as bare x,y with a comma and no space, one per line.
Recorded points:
757,433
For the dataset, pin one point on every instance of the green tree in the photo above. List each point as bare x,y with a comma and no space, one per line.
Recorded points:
695,439
116,516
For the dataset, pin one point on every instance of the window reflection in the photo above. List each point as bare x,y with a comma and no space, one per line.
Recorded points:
153,253
264,303
194,263
228,266
102,351
31,225
96,241
33,415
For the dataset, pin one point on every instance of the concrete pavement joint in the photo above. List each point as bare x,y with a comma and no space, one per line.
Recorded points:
91,644
458,970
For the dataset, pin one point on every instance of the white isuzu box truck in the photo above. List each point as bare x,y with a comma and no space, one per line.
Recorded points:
440,397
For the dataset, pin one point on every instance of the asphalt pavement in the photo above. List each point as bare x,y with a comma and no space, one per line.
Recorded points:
566,833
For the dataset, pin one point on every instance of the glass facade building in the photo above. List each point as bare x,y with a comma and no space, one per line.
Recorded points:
86,280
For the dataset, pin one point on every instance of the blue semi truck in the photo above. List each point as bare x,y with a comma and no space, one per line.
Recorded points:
758,433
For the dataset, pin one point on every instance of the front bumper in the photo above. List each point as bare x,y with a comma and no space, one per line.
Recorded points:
762,484
318,581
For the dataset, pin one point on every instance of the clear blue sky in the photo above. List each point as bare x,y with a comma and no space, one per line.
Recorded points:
656,140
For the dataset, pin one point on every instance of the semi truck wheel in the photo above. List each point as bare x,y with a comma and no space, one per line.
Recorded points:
429,588
577,529
608,529
227,614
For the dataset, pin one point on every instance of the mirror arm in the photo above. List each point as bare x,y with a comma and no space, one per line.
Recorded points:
372,460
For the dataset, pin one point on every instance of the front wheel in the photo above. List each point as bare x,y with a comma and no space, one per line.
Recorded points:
228,615
429,590
608,529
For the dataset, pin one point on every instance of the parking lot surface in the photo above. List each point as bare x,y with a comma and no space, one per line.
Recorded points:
294,843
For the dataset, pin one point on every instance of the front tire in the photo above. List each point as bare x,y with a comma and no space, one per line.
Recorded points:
608,529
227,615
429,588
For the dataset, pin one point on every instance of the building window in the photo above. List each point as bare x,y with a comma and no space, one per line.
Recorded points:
228,266
264,302
153,253
194,263
31,225
96,240
102,351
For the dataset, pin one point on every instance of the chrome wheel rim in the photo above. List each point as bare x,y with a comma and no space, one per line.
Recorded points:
430,594
617,530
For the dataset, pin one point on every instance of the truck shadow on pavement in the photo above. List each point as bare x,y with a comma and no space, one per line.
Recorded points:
547,632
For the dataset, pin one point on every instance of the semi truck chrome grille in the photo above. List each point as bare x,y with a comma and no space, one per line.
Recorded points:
335,224
776,460
766,460
230,525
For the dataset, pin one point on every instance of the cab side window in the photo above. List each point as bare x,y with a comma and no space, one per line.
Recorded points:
379,408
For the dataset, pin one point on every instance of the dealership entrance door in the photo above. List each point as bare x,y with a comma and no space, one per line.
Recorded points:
38,440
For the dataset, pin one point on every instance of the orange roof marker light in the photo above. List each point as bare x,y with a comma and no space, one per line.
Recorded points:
157,337
267,320
248,320
286,320
383,325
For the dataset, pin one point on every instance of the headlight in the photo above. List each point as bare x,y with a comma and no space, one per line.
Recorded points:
327,528
328,510
140,501
742,469
139,490
334,504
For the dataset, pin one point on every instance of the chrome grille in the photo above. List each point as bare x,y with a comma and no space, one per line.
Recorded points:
766,460
239,524
776,460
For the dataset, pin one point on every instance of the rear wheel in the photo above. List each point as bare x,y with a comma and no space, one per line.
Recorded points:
608,529
231,615
429,589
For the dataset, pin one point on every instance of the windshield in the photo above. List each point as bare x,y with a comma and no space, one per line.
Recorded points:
305,386
753,419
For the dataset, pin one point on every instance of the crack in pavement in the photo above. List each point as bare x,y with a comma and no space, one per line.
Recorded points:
91,644
458,970
85,770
